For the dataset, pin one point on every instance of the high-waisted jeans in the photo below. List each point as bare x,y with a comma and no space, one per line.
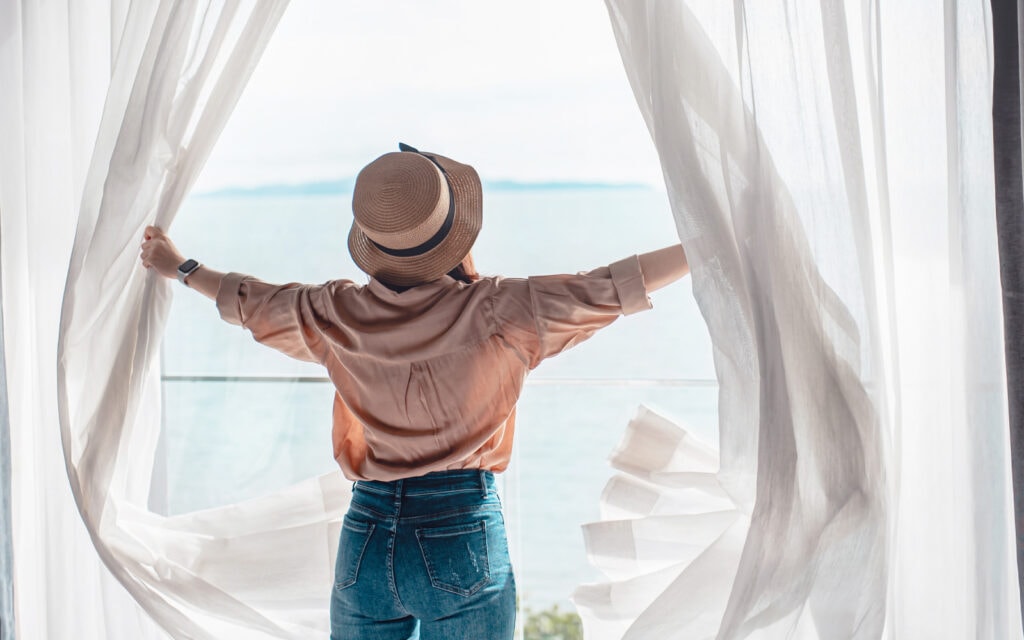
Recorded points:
424,558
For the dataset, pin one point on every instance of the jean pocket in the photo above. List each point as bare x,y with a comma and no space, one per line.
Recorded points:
355,536
456,557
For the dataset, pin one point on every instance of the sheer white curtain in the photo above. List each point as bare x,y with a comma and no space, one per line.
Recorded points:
109,112
829,166
6,548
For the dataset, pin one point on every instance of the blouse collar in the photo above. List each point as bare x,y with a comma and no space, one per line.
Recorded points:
381,290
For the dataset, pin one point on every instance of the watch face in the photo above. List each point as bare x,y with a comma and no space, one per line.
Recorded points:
187,266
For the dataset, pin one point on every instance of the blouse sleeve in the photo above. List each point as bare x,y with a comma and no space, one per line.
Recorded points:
545,315
290,318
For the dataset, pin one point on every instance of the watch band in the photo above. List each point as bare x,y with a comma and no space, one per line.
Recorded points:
187,268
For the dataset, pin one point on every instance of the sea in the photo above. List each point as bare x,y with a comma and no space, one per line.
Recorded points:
241,420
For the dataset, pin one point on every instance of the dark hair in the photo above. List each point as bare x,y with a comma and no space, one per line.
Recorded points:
464,272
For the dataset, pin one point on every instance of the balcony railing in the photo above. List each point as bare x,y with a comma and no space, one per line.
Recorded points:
597,382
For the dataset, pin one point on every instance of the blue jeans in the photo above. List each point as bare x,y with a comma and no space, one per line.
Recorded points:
424,558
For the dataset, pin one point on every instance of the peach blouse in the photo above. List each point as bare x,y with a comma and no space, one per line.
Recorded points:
428,379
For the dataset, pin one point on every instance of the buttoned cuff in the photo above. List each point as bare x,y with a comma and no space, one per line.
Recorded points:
227,297
629,284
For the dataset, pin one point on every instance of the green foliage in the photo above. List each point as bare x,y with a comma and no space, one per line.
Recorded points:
552,624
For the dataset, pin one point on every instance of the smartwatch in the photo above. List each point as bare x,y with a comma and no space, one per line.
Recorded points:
186,269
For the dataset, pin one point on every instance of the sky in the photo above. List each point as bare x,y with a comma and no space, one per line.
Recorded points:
531,91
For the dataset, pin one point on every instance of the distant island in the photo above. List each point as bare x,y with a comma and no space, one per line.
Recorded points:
344,186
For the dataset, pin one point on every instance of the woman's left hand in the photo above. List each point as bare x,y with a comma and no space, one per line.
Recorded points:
160,253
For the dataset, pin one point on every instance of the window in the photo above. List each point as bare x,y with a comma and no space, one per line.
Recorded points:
568,185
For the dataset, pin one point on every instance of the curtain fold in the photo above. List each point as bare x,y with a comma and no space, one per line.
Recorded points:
54,88
110,116
6,546
829,171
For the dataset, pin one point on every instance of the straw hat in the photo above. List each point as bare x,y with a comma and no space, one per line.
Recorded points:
417,215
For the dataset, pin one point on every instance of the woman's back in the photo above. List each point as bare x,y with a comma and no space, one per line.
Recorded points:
428,378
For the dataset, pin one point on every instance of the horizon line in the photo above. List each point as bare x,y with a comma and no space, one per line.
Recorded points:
344,186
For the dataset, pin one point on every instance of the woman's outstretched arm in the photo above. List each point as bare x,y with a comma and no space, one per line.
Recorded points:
288,317
663,266
160,253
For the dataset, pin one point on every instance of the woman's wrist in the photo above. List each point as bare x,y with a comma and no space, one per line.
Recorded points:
206,281
663,266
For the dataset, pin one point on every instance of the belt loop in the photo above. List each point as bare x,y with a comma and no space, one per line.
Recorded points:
483,484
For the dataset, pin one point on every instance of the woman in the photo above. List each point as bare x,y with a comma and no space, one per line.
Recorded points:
428,360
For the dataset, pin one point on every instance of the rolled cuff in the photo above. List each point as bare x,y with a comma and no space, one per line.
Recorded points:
227,297
628,279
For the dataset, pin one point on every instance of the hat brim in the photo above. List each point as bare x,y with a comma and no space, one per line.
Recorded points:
431,265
